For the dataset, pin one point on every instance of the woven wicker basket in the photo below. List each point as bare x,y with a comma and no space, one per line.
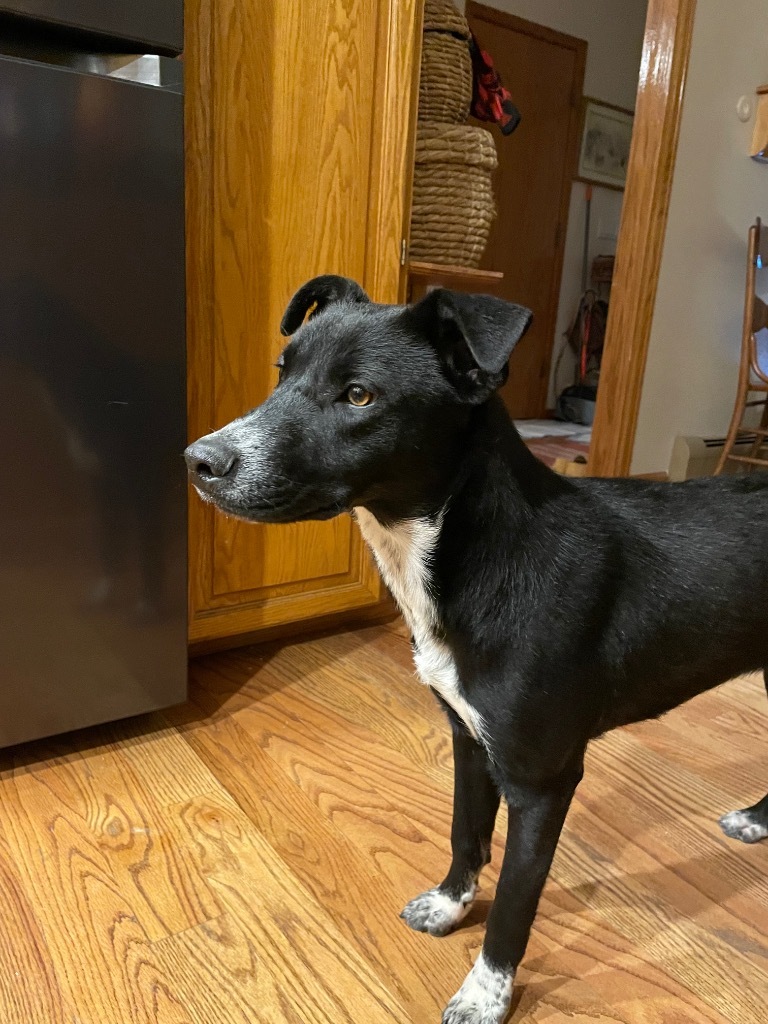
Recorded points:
445,87
453,206
443,16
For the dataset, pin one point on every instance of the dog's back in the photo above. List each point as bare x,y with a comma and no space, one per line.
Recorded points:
689,586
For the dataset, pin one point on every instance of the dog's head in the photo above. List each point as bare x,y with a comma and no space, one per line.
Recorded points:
369,408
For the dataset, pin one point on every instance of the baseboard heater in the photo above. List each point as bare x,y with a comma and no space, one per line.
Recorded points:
699,456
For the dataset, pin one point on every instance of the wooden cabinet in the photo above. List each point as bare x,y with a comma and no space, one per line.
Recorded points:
299,135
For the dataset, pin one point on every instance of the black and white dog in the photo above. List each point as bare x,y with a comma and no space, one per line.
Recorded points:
544,610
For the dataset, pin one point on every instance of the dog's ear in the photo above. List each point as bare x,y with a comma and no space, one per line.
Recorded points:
319,292
474,335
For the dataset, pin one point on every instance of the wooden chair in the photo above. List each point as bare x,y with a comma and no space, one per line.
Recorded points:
753,371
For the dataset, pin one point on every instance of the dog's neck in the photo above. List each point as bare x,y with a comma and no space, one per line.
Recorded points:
486,449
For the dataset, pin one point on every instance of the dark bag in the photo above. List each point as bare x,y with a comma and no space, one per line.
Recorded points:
577,404
586,337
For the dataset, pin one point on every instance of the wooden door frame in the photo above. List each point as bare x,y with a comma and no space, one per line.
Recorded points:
579,48
663,69
394,144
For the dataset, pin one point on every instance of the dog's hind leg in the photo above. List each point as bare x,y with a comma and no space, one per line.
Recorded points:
751,824
475,804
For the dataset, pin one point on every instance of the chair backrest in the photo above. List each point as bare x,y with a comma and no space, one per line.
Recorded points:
756,309
760,243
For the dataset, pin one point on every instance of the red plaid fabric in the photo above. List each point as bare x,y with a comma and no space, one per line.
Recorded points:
490,100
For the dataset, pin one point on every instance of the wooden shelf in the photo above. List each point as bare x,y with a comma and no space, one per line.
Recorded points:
469,274
422,277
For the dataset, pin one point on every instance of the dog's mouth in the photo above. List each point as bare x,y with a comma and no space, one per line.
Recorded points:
269,511
248,488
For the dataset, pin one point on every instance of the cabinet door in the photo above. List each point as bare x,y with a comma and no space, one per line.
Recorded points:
299,127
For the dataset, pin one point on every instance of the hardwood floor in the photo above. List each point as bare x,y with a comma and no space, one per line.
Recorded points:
244,859
550,449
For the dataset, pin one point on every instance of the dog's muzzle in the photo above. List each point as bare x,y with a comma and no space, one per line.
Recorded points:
212,465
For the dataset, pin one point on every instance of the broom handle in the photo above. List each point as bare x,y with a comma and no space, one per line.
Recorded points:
585,259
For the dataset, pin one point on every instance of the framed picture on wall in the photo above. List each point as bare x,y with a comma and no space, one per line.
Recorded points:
606,135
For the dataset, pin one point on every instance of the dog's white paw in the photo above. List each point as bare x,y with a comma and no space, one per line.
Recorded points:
484,997
436,912
744,826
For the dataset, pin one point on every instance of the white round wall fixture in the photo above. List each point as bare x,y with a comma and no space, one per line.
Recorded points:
744,108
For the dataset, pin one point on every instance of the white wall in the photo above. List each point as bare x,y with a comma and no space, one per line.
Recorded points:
614,32
717,192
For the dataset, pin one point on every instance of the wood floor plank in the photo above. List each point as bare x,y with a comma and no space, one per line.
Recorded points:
660,914
113,797
717,736
29,989
54,822
374,684
569,942
361,902
303,967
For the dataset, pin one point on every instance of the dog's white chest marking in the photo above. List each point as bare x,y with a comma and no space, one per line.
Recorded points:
403,553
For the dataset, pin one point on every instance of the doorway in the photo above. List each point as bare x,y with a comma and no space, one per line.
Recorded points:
661,86
658,94
543,69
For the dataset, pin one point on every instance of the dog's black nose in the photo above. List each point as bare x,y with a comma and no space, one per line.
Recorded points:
210,462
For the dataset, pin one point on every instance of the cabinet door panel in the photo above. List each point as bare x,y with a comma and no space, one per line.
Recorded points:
268,556
299,120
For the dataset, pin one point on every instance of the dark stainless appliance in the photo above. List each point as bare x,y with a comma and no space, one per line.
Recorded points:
92,364
146,26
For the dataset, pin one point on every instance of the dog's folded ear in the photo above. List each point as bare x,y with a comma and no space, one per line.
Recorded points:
319,292
474,336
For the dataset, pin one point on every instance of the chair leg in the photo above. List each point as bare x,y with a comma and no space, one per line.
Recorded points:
733,430
760,441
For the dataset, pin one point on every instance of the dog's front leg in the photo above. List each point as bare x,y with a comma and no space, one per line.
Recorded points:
475,804
536,816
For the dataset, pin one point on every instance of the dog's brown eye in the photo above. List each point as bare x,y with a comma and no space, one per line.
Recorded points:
357,395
